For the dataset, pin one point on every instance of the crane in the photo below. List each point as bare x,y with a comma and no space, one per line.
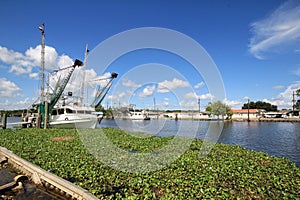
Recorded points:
57,92
101,92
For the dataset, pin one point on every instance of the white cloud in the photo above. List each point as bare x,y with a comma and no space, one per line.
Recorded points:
167,86
193,95
147,91
280,29
24,63
278,87
188,105
9,56
116,96
34,76
199,85
9,89
284,99
9,105
130,83
297,72
235,104
62,61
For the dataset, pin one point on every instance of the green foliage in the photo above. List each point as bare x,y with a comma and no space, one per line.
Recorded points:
228,172
298,92
260,105
218,108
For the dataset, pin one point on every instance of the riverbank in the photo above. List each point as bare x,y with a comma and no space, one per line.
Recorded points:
227,172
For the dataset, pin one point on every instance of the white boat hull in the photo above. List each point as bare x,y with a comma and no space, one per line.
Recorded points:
78,124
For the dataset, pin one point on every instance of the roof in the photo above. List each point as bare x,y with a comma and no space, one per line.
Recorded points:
245,111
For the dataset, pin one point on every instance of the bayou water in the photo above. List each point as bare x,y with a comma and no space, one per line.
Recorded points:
280,139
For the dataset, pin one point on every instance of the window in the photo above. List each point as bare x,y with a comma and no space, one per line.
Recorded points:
54,112
68,110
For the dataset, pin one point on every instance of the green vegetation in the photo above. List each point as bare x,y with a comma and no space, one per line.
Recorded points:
228,172
260,105
297,105
218,108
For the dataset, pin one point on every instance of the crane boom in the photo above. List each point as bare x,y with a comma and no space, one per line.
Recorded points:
101,93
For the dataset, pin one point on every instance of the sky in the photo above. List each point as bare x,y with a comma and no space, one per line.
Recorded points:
251,47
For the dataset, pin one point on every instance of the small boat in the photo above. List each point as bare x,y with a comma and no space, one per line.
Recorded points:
138,116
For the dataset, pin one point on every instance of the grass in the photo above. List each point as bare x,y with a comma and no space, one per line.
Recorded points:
227,172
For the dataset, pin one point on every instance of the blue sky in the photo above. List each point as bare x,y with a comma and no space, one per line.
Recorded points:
254,44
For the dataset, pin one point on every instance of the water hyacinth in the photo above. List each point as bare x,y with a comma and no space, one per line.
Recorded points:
228,172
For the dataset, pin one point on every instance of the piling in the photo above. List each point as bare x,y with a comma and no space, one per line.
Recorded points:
46,114
4,121
39,118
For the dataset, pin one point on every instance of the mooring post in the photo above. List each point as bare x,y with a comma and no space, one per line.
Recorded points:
39,118
4,121
46,114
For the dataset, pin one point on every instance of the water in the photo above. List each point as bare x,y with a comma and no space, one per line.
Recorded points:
275,138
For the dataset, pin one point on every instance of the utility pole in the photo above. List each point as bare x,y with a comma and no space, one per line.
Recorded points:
199,103
248,110
293,102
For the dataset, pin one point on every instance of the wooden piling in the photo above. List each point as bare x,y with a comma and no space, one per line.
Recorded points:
46,114
4,121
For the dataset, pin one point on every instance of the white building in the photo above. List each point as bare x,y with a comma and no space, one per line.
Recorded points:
243,114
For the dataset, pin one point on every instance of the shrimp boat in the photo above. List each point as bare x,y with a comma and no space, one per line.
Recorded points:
49,112
73,117
72,114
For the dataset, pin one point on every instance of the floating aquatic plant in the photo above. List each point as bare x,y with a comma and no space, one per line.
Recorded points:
226,172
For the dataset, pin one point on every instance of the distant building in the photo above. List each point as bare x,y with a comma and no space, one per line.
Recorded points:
242,114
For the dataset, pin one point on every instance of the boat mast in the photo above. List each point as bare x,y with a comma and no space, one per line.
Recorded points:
84,71
42,29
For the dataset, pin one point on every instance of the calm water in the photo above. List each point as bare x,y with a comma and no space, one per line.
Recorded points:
274,138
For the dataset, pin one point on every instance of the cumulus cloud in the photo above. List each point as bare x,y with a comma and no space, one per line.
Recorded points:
166,102
235,104
188,105
8,105
147,91
297,72
193,95
199,85
130,83
278,87
23,63
116,96
284,99
281,29
167,86
34,76
9,89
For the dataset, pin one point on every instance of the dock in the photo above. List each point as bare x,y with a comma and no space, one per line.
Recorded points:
44,178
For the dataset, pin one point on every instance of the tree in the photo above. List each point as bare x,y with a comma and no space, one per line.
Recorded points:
260,105
298,92
297,105
218,108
